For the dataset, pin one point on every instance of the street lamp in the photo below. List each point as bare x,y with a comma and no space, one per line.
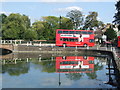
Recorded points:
60,22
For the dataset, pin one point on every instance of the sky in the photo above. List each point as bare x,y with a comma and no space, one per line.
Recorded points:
35,9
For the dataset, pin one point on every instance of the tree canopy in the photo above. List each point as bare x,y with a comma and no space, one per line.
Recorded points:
117,14
17,26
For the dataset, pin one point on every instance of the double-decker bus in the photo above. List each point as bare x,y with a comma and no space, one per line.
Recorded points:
75,64
74,37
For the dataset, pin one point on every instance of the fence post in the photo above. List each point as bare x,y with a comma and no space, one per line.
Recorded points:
3,41
20,41
27,43
76,47
40,44
15,42
11,41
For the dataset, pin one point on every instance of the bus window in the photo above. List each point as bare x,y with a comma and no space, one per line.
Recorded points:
65,39
84,32
61,39
90,32
76,40
65,32
59,32
91,40
77,32
71,32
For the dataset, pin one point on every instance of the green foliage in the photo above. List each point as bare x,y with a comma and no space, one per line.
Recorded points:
91,21
111,34
46,29
17,26
14,26
74,76
15,69
66,23
76,17
117,14
30,34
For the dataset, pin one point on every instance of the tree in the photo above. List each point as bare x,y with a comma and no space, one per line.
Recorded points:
76,18
74,76
30,34
2,22
53,24
16,69
15,26
91,21
117,14
39,28
66,23
46,29
111,34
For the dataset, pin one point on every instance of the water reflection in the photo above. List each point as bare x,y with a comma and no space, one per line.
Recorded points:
64,71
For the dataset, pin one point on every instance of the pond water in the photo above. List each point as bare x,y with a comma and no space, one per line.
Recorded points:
69,71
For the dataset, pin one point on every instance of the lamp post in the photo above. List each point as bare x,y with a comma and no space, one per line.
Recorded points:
59,79
60,22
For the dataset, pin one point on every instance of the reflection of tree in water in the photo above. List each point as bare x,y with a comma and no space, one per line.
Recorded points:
74,76
93,74
77,76
47,66
16,69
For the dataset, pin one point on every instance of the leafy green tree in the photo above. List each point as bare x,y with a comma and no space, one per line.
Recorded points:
77,18
16,69
2,22
53,23
111,34
66,23
93,75
48,66
74,76
91,21
117,14
39,28
46,29
15,26
30,34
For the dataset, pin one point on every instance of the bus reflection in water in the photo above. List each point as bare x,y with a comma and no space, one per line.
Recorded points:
75,64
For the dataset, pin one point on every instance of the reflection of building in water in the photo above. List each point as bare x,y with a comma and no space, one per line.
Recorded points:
75,64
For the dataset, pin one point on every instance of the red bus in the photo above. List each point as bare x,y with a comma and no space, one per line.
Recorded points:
74,38
74,64
118,44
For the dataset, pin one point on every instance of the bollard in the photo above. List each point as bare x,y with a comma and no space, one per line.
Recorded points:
20,41
76,47
11,41
15,42
64,45
111,48
87,47
40,44
3,41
